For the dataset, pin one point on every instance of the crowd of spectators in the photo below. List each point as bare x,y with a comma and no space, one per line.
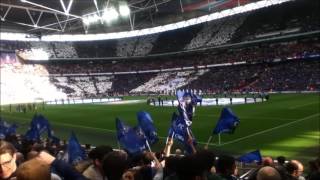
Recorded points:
216,32
265,67
136,46
285,76
252,54
294,75
23,159
169,81
24,82
291,17
99,86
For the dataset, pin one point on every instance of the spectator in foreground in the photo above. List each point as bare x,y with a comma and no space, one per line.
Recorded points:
115,164
281,160
226,167
314,169
95,171
8,164
268,173
298,173
61,168
267,161
33,170
292,168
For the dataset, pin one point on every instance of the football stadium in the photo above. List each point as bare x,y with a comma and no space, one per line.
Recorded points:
160,89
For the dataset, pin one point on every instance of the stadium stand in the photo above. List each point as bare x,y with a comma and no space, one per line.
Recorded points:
261,67
260,77
137,46
294,17
168,81
243,27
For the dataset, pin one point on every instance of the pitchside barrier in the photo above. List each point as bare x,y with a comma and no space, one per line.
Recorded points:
84,101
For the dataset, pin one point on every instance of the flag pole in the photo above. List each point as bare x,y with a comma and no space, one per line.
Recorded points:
167,148
219,138
118,145
209,140
147,143
168,138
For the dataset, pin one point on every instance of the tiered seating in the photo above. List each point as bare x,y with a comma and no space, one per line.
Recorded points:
64,50
168,81
103,83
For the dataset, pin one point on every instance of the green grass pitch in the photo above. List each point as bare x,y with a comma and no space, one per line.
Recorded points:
287,124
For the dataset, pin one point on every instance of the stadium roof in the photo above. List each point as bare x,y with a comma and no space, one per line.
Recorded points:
56,18
66,16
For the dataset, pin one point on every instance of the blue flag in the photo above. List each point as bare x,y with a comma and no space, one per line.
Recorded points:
146,123
131,139
38,126
254,156
196,98
41,124
227,122
75,152
179,130
6,128
187,102
32,135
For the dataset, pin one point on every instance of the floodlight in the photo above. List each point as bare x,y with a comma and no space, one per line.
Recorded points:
124,10
110,14
85,20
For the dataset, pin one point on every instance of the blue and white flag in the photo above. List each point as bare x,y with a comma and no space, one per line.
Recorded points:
146,123
227,122
187,102
7,129
131,139
180,131
38,126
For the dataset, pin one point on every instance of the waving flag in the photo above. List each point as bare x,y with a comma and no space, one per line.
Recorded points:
253,156
196,98
6,128
227,122
32,135
75,151
132,139
187,101
146,123
179,130
38,126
